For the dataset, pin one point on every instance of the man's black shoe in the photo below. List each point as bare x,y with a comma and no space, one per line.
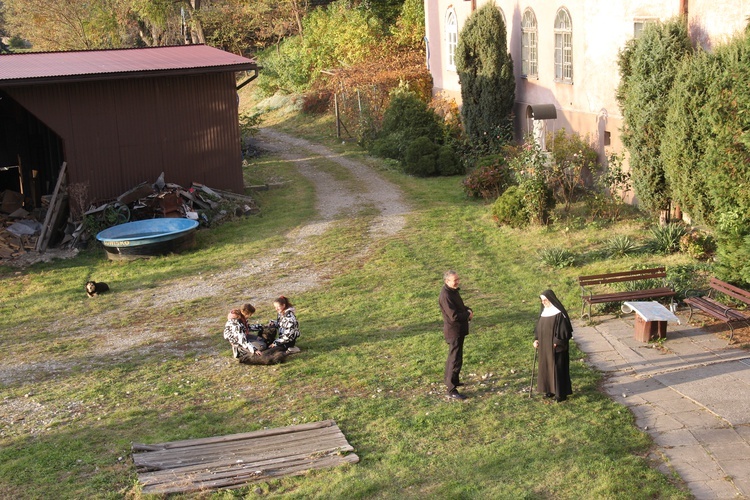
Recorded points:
455,395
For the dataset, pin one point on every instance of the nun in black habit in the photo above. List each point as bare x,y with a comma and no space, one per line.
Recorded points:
551,337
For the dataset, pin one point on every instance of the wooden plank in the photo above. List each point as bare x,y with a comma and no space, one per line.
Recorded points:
41,243
263,446
190,484
238,459
220,467
244,435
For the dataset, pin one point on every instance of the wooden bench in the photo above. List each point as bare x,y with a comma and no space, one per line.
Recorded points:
709,306
588,282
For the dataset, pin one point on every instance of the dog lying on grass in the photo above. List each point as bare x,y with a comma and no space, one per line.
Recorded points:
93,288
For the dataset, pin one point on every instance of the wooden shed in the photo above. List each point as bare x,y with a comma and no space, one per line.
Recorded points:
119,118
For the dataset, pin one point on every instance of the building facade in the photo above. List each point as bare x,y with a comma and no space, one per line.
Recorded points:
565,54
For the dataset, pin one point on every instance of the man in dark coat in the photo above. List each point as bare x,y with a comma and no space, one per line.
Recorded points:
456,317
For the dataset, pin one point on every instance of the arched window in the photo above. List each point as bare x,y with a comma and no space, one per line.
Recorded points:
529,44
563,47
451,37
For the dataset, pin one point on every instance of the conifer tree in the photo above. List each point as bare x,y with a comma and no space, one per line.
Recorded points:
485,70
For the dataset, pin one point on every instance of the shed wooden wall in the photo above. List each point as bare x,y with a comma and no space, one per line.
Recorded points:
119,133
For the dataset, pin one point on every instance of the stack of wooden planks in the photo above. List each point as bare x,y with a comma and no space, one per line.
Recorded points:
236,460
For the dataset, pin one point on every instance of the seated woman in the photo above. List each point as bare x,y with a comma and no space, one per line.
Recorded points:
246,347
286,324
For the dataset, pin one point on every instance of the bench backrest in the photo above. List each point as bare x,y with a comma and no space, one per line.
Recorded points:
637,274
730,290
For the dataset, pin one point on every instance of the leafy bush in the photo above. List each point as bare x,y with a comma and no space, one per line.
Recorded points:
415,135
611,185
410,115
336,35
391,145
620,246
489,179
448,162
421,157
409,28
698,244
666,239
689,277
406,119
573,157
531,169
509,208
557,257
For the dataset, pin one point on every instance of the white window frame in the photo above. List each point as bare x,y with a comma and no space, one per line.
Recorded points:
563,47
451,38
529,45
640,24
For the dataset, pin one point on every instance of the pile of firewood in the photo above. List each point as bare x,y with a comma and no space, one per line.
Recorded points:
54,224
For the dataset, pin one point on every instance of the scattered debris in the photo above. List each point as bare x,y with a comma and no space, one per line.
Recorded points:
24,237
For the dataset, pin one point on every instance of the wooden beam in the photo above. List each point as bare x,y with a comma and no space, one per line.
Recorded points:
43,241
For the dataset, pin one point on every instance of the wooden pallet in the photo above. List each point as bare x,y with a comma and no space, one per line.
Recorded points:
236,460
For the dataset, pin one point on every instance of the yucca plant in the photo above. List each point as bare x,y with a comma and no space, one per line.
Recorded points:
620,246
666,239
557,257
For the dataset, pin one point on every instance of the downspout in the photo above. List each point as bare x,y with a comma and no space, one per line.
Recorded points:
427,51
249,79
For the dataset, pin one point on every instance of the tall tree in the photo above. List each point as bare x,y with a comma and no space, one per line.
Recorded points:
648,66
68,24
485,70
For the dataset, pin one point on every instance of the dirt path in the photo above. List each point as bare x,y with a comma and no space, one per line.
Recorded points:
258,278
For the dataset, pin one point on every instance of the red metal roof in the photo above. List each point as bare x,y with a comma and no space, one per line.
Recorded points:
48,67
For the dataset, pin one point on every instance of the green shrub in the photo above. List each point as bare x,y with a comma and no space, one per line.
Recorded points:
620,246
531,169
489,179
557,257
509,208
733,259
689,277
391,145
611,184
410,115
448,162
421,157
697,244
573,157
334,36
408,118
666,239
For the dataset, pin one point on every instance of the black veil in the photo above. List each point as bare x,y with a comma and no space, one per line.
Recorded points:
550,295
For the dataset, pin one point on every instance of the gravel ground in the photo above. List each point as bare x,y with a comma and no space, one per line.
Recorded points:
258,280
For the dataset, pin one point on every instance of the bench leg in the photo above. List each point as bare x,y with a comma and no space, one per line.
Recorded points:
691,313
731,332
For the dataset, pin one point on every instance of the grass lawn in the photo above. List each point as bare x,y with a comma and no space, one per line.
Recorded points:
372,360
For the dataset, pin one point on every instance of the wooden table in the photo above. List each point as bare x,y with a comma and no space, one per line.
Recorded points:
651,319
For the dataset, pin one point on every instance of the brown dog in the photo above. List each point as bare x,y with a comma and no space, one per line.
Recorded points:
93,288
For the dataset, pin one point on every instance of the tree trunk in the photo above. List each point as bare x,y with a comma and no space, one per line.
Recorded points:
196,28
